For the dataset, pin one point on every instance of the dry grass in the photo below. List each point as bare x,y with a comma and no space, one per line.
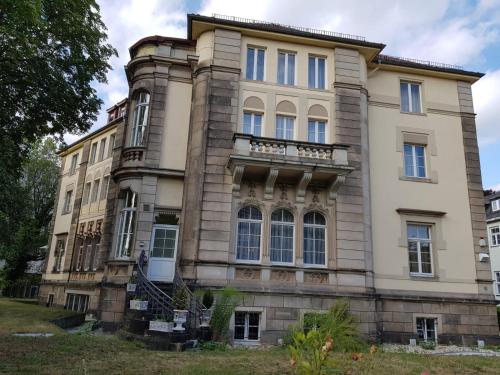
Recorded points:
80,354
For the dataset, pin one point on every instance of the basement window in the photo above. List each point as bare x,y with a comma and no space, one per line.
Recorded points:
246,326
427,329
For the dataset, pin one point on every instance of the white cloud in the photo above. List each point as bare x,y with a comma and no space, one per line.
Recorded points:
486,105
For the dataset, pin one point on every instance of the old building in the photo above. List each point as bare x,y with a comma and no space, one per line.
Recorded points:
297,165
492,207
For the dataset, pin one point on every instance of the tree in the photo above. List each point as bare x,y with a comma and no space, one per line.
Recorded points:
51,51
26,223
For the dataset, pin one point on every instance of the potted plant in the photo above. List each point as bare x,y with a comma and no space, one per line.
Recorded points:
206,313
162,324
139,303
180,301
132,284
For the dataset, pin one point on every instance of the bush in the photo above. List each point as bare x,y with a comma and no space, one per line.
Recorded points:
225,302
180,299
339,324
214,346
309,352
208,299
427,345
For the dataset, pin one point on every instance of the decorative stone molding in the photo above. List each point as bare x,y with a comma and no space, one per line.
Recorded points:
302,186
334,187
247,274
270,181
316,277
411,211
237,176
283,276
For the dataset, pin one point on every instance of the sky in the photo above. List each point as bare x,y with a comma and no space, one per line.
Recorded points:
461,32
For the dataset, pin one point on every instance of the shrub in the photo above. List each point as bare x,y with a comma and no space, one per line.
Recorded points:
214,346
309,352
208,299
427,345
339,324
225,302
180,299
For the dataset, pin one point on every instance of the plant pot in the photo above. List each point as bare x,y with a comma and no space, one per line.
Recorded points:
136,304
159,325
131,287
180,317
206,315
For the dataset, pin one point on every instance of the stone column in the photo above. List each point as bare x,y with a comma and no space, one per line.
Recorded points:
475,187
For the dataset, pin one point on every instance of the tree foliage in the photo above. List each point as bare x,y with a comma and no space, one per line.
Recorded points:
226,301
51,51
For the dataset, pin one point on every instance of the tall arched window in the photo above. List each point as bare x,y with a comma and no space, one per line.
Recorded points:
140,119
126,225
314,238
282,236
249,234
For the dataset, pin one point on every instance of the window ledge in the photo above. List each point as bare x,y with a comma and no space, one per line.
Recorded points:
418,179
423,277
413,113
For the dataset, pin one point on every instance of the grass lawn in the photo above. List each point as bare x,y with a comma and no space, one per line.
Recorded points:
82,354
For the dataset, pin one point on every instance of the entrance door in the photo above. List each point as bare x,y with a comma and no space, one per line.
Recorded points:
163,253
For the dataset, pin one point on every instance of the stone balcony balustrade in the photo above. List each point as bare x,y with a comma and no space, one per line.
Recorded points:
289,161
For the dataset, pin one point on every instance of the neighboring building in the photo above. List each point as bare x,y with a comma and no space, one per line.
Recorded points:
492,207
296,165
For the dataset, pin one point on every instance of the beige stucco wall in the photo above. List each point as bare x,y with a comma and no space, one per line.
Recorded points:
169,193
175,134
454,255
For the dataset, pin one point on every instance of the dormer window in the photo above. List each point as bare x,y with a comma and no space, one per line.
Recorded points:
495,205
140,119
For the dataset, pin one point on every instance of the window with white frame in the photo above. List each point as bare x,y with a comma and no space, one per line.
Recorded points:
284,127
95,191
282,233
495,205
316,73
86,193
88,255
316,131
414,160
102,148
126,225
419,249
410,97
93,153
252,123
427,329
314,238
111,145
74,164
105,187
95,253
249,234
77,302
80,256
495,236
67,202
164,241
497,282
58,254
246,326
286,68
255,64
140,119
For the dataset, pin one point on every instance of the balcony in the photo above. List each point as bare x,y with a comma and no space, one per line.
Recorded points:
288,161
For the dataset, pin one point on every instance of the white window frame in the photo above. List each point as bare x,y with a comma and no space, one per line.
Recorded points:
285,117
410,105
252,122
419,253
260,222
139,129
495,205
316,72
86,193
286,68
87,262
255,64
95,190
93,153
425,319
495,236
59,253
316,128
74,164
157,227
80,256
111,145
104,187
324,227
102,148
246,326
68,197
282,223
126,227
496,282
414,160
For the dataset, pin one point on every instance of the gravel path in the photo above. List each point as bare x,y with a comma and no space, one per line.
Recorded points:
440,350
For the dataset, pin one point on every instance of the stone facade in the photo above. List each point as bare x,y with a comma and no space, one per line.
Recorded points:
196,168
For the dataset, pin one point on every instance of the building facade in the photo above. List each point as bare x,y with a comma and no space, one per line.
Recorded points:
298,166
492,207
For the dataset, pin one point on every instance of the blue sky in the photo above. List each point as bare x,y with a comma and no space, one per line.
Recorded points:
461,32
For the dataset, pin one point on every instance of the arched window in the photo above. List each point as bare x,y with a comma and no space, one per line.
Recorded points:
140,119
314,238
249,234
282,236
126,225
